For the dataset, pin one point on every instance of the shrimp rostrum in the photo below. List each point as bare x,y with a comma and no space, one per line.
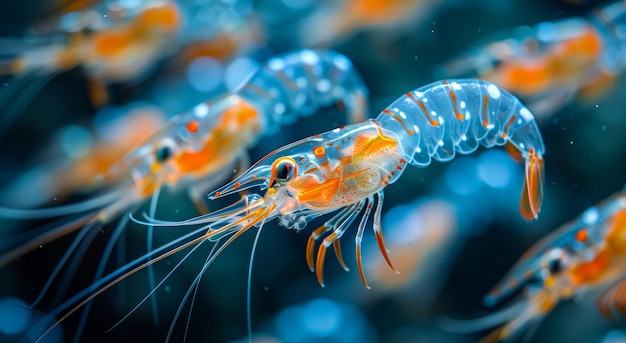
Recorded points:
584,256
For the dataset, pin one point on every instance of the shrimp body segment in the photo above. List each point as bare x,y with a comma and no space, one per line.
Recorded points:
439,119
584,255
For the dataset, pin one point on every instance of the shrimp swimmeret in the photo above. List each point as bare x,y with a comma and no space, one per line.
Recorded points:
344,171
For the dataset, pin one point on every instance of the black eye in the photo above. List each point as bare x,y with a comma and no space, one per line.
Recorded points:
556,261
164,152
285,170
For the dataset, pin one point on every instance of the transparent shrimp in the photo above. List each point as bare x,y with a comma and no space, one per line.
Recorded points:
111,42
338,20
551,63
343,172
584,255
200,147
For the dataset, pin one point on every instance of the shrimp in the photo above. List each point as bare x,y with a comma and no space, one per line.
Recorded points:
341,19
584,255
343,172
549,64
61,173
123,46
200,147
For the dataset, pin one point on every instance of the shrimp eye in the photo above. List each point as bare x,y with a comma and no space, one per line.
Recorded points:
164,152
285,170
556,261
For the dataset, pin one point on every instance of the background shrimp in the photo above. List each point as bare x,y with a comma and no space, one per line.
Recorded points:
586,255
110,49
553,62
201,147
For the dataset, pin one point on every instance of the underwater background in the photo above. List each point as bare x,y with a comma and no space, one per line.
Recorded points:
453,229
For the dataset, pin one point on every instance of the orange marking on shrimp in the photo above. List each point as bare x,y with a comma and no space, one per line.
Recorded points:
319,152
423,108
229,135
455,109
616,237
507,127
111,43
395,116
484,113
166,15
582,236
193,126
526,78
588,272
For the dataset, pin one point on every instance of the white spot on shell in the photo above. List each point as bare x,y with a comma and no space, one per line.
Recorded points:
433,113
525,113
494,91
276,64
462,104
309,57
456,86
342,62
424,100
201,110
323,85
279,108
590,216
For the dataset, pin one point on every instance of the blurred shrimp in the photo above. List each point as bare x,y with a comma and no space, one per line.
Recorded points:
78,157
553,62
336,20
200,148
585,255
112,43
343,172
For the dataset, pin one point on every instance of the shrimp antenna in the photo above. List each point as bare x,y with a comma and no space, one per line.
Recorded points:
249,285
63,210
483,323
